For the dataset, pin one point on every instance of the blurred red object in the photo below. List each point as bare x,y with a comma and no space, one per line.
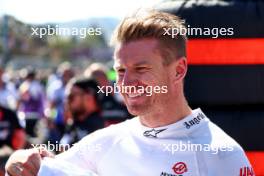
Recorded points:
256,159
225,51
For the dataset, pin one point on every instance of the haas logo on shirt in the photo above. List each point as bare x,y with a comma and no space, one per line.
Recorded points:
179,169
246,171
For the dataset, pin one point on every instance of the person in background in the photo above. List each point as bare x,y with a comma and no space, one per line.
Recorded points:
85,109
8,93
31,101
114,110
56,99
12,135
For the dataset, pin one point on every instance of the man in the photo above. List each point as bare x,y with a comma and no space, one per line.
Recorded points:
55,95
85,109
8,93
31,101
150,144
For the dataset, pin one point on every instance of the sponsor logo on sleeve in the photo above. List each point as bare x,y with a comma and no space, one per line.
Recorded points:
246,171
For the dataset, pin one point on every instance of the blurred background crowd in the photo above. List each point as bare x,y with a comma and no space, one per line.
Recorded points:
48,84
59,108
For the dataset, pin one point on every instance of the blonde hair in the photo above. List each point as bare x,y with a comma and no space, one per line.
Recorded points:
152,24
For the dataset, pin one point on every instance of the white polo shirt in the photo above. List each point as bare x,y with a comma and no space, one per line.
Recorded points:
193,146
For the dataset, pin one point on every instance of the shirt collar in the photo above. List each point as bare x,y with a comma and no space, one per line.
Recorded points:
182,127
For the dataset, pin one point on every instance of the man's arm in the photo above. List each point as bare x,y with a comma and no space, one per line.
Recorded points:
28,162
51,167
85,154
235,163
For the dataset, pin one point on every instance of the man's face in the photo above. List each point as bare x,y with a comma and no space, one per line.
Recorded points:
76,101
139,63
67,75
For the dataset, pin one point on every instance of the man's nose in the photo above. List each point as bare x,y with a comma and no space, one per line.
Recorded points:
129,79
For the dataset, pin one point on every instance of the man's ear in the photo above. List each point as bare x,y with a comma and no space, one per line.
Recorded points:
180,69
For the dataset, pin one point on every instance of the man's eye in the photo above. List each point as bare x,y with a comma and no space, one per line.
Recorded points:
141,69
121,71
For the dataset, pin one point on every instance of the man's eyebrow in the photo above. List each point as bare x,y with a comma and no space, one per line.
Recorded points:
118,66
141,63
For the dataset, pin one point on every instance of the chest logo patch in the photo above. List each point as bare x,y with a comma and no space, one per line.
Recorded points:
180,168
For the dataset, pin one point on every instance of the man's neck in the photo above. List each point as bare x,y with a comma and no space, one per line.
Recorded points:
167,116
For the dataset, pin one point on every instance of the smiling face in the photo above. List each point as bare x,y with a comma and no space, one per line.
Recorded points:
139,63
147,57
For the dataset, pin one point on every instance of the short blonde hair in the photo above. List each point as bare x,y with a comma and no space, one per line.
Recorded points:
152,24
